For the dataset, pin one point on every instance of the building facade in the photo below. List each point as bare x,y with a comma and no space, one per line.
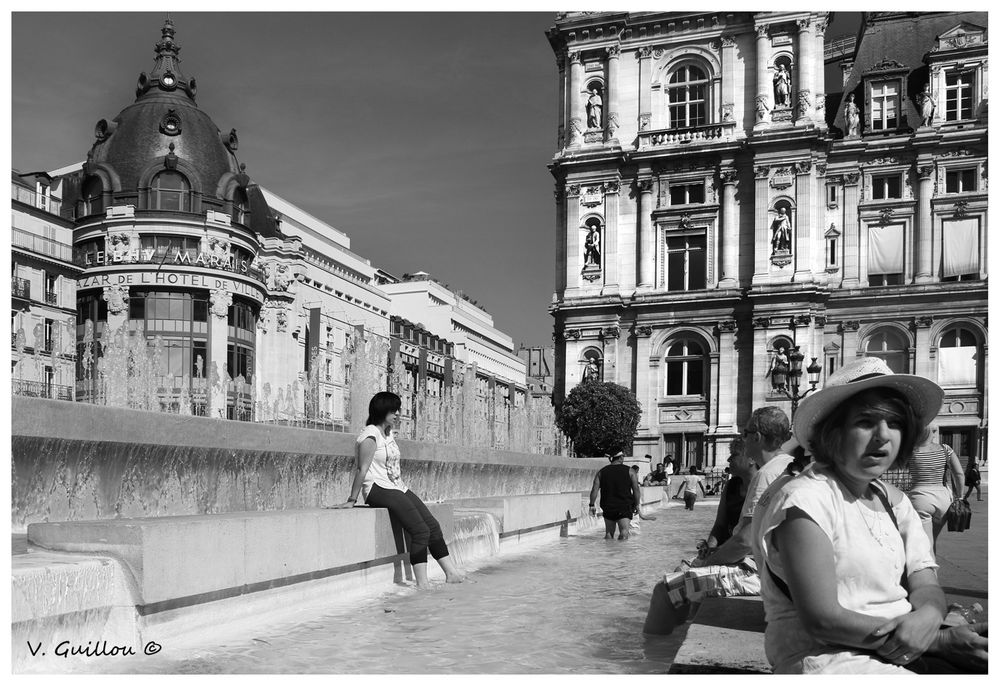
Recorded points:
43,289
710,221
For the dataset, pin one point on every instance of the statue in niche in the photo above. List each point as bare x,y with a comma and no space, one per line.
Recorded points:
782,87
199,367
781,233
595,107
779,362
592,372
592,248
851,116
927,105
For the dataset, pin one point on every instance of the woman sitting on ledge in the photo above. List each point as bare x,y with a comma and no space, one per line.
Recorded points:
377,461
847,574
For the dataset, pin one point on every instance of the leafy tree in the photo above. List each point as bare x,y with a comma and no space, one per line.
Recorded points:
600,418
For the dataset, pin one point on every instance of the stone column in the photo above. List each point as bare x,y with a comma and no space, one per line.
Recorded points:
729,67
925,225
805,212
730,230
561,233
762,232
819,110
647,239
923,364
218,334
850,331
609,337
760,360
645,111
574,258
851,234
611,93
763,102
610,257
561,122
725,392
574,104
805,88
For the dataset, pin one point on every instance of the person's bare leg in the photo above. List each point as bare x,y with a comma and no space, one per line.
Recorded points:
609,528
451,573
623,528
420,573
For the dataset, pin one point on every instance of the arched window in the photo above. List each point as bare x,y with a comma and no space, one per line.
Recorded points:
958,358
92,195
685,368
687,95
241,206
891,347
170,191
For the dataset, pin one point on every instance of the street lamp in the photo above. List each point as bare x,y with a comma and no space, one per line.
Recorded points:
786,376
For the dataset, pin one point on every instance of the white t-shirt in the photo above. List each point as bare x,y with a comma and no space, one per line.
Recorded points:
384,469
869,558
774,468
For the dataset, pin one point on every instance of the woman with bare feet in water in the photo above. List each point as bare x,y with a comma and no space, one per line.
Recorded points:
377,472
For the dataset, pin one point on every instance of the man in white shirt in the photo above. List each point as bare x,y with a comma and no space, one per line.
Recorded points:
763,437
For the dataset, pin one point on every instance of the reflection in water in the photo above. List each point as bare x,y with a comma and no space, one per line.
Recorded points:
572,606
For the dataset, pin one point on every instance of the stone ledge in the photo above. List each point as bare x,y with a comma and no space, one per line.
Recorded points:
726,636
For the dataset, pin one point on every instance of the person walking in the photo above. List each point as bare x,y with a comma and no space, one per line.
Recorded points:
691,483
377,472
929,494
972,479
619,489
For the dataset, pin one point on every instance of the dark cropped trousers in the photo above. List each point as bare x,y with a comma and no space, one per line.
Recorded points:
411,513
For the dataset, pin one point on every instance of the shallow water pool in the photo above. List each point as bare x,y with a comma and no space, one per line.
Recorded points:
576,605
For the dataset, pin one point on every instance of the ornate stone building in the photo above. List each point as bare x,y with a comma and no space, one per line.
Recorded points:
710,220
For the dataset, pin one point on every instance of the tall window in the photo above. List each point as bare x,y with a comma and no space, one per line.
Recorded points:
886,186
958,95
241,206
92,194
957,358
885,105
170,191
960,253
686,258
960,181
686,94
685,368
891,347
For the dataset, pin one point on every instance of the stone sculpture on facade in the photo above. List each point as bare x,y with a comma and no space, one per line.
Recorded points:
221,300
592,248
117,298
781,233
927,106
852,118
779,362
592,372
595,108
782,87
761,108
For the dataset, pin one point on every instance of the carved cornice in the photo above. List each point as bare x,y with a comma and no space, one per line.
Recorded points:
642,330
851,178
801,320
961,209
573,189
728,176
761,322
803,24
644,185
926,171
613,52
923,322
727,326
761,172
613,186
850,325
762,30
728,40
575,57
611,332
644,53
803,167
820,321
821,169
885,216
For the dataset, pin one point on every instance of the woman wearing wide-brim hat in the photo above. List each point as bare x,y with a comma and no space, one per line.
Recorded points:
847,573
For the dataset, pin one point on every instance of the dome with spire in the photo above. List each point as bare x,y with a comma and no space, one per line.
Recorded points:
164,131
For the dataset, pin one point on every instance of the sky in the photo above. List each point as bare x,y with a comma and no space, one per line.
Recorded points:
425,137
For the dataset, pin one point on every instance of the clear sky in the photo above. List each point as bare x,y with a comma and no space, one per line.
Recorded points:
422,136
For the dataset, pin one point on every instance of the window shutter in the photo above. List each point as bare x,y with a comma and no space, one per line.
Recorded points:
961,247
885,249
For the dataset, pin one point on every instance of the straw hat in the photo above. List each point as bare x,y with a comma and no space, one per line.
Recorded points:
923,395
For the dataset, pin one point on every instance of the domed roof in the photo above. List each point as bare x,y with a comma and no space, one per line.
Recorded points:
164,128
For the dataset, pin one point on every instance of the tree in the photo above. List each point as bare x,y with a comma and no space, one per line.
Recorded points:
600,418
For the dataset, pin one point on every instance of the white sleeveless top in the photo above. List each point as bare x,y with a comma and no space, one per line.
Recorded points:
384,469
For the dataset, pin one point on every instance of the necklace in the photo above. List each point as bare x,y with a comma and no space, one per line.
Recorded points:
876,527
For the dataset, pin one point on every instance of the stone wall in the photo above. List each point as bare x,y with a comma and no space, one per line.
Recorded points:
75,461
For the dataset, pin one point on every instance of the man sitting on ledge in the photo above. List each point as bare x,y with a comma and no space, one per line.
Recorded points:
729,569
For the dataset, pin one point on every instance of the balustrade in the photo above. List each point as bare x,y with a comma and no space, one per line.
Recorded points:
682,136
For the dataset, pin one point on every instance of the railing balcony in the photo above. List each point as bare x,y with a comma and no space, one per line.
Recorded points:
51,298
29,197
686,135
20,288
41,245
41,389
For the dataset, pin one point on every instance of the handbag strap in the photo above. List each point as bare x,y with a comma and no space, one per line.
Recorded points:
881,495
